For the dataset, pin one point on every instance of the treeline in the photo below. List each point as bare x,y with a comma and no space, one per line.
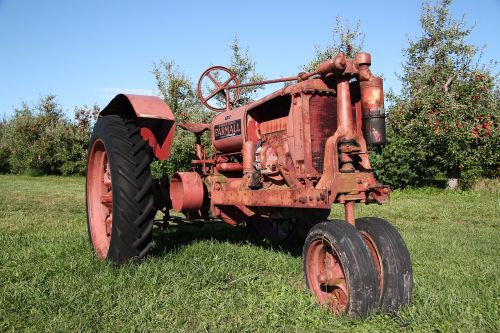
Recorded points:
445,121
444,124
41,140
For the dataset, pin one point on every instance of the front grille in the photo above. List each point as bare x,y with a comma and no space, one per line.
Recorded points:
323,117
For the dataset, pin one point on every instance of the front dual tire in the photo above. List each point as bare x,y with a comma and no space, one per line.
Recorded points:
357,270
392,261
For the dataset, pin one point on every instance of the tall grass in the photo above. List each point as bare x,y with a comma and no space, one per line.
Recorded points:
217,279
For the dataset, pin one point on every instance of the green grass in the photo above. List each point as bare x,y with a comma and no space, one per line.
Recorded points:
213,279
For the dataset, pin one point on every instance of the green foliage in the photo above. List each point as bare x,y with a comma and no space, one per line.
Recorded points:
40,140
346,38
75,140
397,166
178,91
446,117
244,68
4,148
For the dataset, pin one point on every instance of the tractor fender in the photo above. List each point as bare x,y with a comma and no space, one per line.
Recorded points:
152,115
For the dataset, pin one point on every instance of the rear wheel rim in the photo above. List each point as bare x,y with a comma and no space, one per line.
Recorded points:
326,276
99,199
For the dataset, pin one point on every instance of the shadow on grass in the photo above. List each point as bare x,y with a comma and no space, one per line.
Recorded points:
175,237
437,183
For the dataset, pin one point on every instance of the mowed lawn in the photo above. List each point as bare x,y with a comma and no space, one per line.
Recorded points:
216,279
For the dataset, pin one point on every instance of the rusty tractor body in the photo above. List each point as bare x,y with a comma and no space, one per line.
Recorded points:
278,165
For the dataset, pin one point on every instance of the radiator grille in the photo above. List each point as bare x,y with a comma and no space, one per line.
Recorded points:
323,117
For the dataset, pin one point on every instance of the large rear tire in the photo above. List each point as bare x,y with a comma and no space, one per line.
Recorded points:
392,260
119,195
339,270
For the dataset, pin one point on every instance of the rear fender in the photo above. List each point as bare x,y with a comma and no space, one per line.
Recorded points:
152,115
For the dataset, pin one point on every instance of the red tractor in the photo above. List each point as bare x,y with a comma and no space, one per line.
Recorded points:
278,165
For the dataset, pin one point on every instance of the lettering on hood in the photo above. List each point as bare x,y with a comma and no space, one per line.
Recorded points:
227,130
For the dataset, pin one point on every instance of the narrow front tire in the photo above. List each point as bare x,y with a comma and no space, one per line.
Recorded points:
392,260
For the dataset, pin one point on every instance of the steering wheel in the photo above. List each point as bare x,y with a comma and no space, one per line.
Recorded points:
212,88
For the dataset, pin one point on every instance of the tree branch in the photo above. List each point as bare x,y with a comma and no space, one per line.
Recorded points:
446,86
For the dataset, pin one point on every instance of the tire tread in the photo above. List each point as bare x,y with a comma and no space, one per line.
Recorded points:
396,263
133,209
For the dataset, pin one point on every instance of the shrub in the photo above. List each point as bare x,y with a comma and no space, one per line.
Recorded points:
398,166
4,148
40,140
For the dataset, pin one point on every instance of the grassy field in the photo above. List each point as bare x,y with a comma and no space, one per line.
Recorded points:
213,279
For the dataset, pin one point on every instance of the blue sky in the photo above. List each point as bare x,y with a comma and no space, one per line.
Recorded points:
87,51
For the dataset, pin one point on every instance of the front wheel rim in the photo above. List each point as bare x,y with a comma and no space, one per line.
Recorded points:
326,276
99,199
